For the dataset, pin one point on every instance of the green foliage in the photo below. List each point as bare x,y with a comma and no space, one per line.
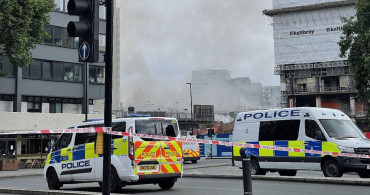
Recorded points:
355,43
22,27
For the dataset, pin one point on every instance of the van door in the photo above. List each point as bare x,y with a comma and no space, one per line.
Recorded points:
62,156
311,142
171,157
83,165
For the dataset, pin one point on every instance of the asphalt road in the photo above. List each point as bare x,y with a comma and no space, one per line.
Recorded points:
201,186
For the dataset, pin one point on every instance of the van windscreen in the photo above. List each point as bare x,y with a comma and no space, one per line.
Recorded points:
157,127
341,129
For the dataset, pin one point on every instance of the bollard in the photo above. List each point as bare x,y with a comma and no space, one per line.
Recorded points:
247,178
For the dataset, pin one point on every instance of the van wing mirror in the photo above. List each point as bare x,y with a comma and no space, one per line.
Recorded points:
319,136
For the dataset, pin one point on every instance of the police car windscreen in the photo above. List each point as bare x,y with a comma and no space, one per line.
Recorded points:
157,127
341,129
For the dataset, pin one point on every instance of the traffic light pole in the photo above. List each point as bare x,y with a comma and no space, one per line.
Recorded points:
108,96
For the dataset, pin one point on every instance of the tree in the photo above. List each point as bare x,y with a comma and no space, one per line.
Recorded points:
355,43
22,27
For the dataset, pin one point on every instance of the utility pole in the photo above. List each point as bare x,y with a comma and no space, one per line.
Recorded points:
191,109
108,96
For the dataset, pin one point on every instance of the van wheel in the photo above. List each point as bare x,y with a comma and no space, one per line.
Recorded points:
255,168
287,172
165,185
116,183
330,168
364,174
52,179
194,161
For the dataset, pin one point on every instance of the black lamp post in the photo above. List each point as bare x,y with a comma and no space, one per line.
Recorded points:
191,108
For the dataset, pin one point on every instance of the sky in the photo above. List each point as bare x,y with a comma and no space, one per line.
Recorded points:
163,41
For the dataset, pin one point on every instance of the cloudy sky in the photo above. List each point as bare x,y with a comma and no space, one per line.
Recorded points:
163,41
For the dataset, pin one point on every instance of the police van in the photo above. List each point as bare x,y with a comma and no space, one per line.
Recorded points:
321,129
76,157
190,151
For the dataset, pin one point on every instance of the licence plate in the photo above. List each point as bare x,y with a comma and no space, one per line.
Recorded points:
147,167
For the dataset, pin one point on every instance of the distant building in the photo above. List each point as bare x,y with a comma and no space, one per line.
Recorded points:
307,59
272,96
227,94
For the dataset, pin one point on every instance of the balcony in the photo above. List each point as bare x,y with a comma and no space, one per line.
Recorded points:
323,90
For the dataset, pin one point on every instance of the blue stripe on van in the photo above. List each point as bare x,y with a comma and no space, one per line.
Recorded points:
79,154
252,151
313,145
55,157
281,144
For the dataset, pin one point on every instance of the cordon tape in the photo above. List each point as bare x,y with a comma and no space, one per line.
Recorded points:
108,130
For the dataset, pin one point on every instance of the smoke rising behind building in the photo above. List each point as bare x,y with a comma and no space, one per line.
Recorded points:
163,41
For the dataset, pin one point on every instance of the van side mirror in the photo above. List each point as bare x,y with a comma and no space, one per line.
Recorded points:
319,136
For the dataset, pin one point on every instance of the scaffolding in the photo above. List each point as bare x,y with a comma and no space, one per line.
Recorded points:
317,6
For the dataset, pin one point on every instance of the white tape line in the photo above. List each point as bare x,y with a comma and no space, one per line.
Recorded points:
59,131
192,140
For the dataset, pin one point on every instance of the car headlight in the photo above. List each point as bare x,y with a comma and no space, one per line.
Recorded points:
345,149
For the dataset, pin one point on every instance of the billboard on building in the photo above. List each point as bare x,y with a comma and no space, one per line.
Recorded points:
278,4
309,36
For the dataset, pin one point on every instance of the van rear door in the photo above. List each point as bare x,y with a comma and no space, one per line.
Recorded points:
171,157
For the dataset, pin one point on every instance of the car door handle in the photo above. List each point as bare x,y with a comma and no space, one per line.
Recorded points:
115,148
166,148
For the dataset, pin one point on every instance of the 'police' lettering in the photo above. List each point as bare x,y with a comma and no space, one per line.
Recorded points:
282,113
78,164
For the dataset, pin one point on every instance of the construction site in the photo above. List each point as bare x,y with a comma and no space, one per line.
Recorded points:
306,35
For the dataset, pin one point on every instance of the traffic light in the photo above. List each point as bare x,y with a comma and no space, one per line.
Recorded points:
211,132
87,28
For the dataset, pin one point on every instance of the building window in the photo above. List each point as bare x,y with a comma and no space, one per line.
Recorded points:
55,105
46,70
102,14
101,43
97,74
49,30
6,68
33,104
35,69
100,77
6,97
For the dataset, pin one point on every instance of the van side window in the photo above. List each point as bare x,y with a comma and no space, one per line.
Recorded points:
311,127
120,127
279,130
64,140
84,138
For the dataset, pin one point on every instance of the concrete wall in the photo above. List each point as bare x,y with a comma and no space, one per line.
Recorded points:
6,106
18,121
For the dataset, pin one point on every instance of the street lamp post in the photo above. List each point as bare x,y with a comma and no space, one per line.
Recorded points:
191,108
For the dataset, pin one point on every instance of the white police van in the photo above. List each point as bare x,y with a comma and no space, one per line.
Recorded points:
76,157
321,129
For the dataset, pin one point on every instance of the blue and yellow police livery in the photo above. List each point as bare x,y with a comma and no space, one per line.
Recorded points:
318,129
78,157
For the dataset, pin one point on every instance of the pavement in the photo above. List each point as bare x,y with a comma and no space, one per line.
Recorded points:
193,170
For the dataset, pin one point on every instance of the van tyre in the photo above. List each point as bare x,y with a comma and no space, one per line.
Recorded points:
116,183
165,185
52,179
288,172
194,161
364,174
330,168
255,168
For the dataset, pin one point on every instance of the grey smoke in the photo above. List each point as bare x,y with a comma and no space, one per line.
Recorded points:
162,41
